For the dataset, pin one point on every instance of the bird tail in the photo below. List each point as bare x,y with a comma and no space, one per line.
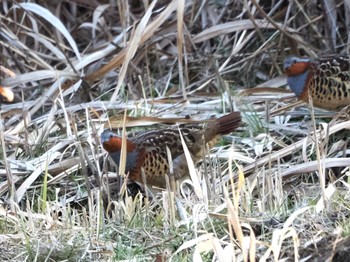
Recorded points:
228,123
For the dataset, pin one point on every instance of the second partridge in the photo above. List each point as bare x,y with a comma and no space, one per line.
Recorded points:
326,79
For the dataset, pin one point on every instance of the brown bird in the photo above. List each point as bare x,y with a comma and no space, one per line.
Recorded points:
148,150
326,79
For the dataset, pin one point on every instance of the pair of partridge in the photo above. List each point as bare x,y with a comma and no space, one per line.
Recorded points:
147,152
325,79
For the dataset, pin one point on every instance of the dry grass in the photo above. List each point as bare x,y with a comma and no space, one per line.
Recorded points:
277,189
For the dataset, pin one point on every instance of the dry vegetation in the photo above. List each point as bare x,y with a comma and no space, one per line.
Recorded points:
277,189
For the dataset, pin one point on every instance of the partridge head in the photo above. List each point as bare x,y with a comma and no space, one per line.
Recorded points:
148,151
326,79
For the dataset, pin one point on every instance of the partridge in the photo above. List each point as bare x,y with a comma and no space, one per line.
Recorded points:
325,79
147,151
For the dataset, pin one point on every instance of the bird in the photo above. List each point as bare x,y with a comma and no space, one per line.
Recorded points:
147,151
326,79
